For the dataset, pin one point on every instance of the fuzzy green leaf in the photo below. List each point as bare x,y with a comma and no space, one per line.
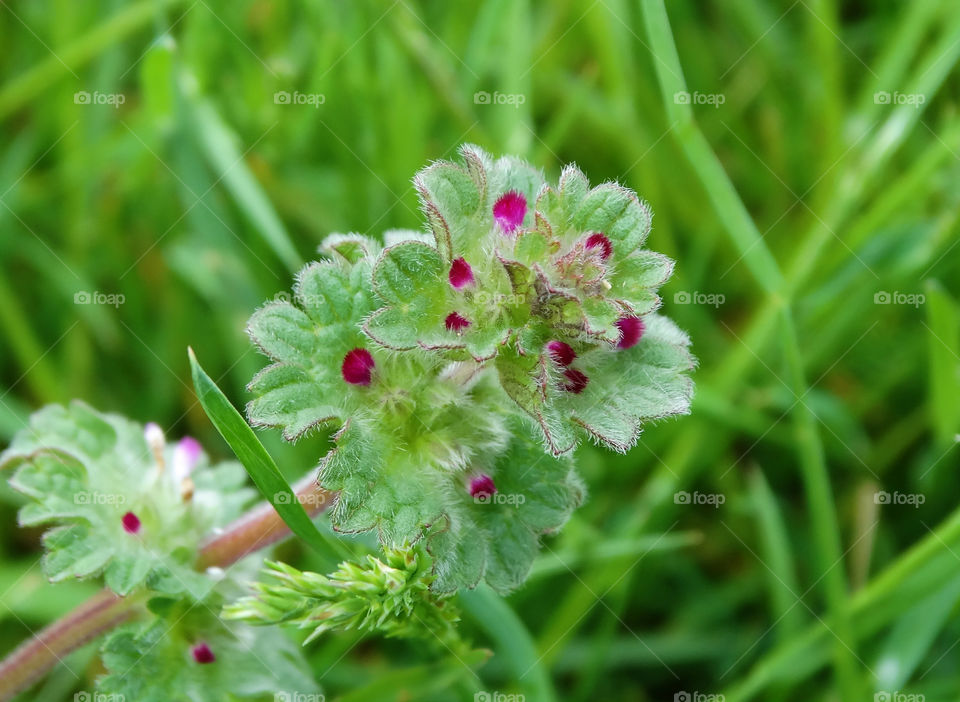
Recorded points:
83,471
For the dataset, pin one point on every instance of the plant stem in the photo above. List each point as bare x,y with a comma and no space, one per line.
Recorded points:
255,530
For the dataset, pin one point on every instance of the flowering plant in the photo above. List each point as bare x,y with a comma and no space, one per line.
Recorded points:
456,370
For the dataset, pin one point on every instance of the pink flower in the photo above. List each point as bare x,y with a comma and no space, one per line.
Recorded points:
509,211
131,523
460,273
357,367
576,380
561,353
185,457
456,322
482,487
631,329
202,654
600,241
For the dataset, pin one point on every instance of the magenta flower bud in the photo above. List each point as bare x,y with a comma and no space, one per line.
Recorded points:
576,380
131,523
600,241
186,454
631,329
357,367
461,273
482,487
456,322
509,211
202,654
561,353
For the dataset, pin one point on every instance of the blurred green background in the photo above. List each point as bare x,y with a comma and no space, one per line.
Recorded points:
167,165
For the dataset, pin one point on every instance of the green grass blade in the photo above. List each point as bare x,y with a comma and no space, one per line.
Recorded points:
254,457
511,639
943,347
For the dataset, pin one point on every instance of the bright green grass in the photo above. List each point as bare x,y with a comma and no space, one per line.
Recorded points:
797,200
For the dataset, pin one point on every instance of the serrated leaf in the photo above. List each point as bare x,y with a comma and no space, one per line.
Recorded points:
497,538
152,661
83,471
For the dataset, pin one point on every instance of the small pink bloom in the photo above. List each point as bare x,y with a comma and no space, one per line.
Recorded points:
456,322
600,241
509,211
482,486
131,523
631,329
202,654
461,273
185,457
357,367
576,380
561,353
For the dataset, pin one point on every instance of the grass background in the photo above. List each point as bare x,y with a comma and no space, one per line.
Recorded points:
789,208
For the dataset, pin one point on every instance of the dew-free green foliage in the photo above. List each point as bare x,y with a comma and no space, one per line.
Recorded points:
152,661
799,189
82,471
435,411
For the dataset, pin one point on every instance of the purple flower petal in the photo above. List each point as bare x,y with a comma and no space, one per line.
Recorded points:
597,240
456,322
185,457
561,353
131,523
509,211
460,273
631,329
576,381
357,368
482,486
202,654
